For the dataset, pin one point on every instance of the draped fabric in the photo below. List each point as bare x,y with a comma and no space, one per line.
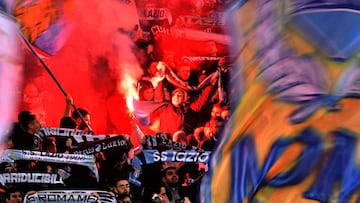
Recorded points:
45,23
10,68
293,136
143,109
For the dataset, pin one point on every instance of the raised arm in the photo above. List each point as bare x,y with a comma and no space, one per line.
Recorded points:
204,96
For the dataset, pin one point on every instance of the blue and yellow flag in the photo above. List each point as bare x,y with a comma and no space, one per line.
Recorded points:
293,134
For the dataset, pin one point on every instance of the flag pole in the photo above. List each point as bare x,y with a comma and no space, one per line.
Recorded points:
55,79
45,66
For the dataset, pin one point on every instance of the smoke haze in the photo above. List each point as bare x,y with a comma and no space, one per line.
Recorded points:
95,58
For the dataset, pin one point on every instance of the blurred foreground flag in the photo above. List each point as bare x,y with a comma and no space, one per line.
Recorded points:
11,60
45,23
294,133
333,26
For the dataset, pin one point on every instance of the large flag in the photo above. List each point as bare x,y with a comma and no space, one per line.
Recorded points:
293,136
10,69
45,23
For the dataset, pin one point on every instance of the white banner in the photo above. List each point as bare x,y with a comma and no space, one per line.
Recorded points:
11,59
152,156
10,155
160,141
34,178
200,58
103,145
64,196
80,136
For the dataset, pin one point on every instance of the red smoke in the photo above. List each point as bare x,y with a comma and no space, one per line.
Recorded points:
97,65
89,67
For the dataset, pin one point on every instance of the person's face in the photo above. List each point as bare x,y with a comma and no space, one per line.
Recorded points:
225,114
52,147
152,70
34,126
162,193
215,112
207,132
208,5
126,200
81,125
148,94
184,73
123,187
9,144
210,48
14,198
87,119
31,96
68,142
177,99
9,169
217,126
171,176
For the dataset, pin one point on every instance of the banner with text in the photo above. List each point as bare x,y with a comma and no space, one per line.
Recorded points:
63,196
10,155
30,178
152,156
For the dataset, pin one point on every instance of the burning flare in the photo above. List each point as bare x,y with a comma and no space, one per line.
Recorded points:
128,87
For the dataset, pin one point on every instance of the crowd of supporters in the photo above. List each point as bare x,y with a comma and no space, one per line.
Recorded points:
177,121
182,105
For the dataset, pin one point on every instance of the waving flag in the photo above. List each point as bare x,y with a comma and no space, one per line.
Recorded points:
10,69
295,130
45,23
309,17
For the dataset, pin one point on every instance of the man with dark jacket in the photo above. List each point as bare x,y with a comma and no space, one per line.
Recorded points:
174,190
